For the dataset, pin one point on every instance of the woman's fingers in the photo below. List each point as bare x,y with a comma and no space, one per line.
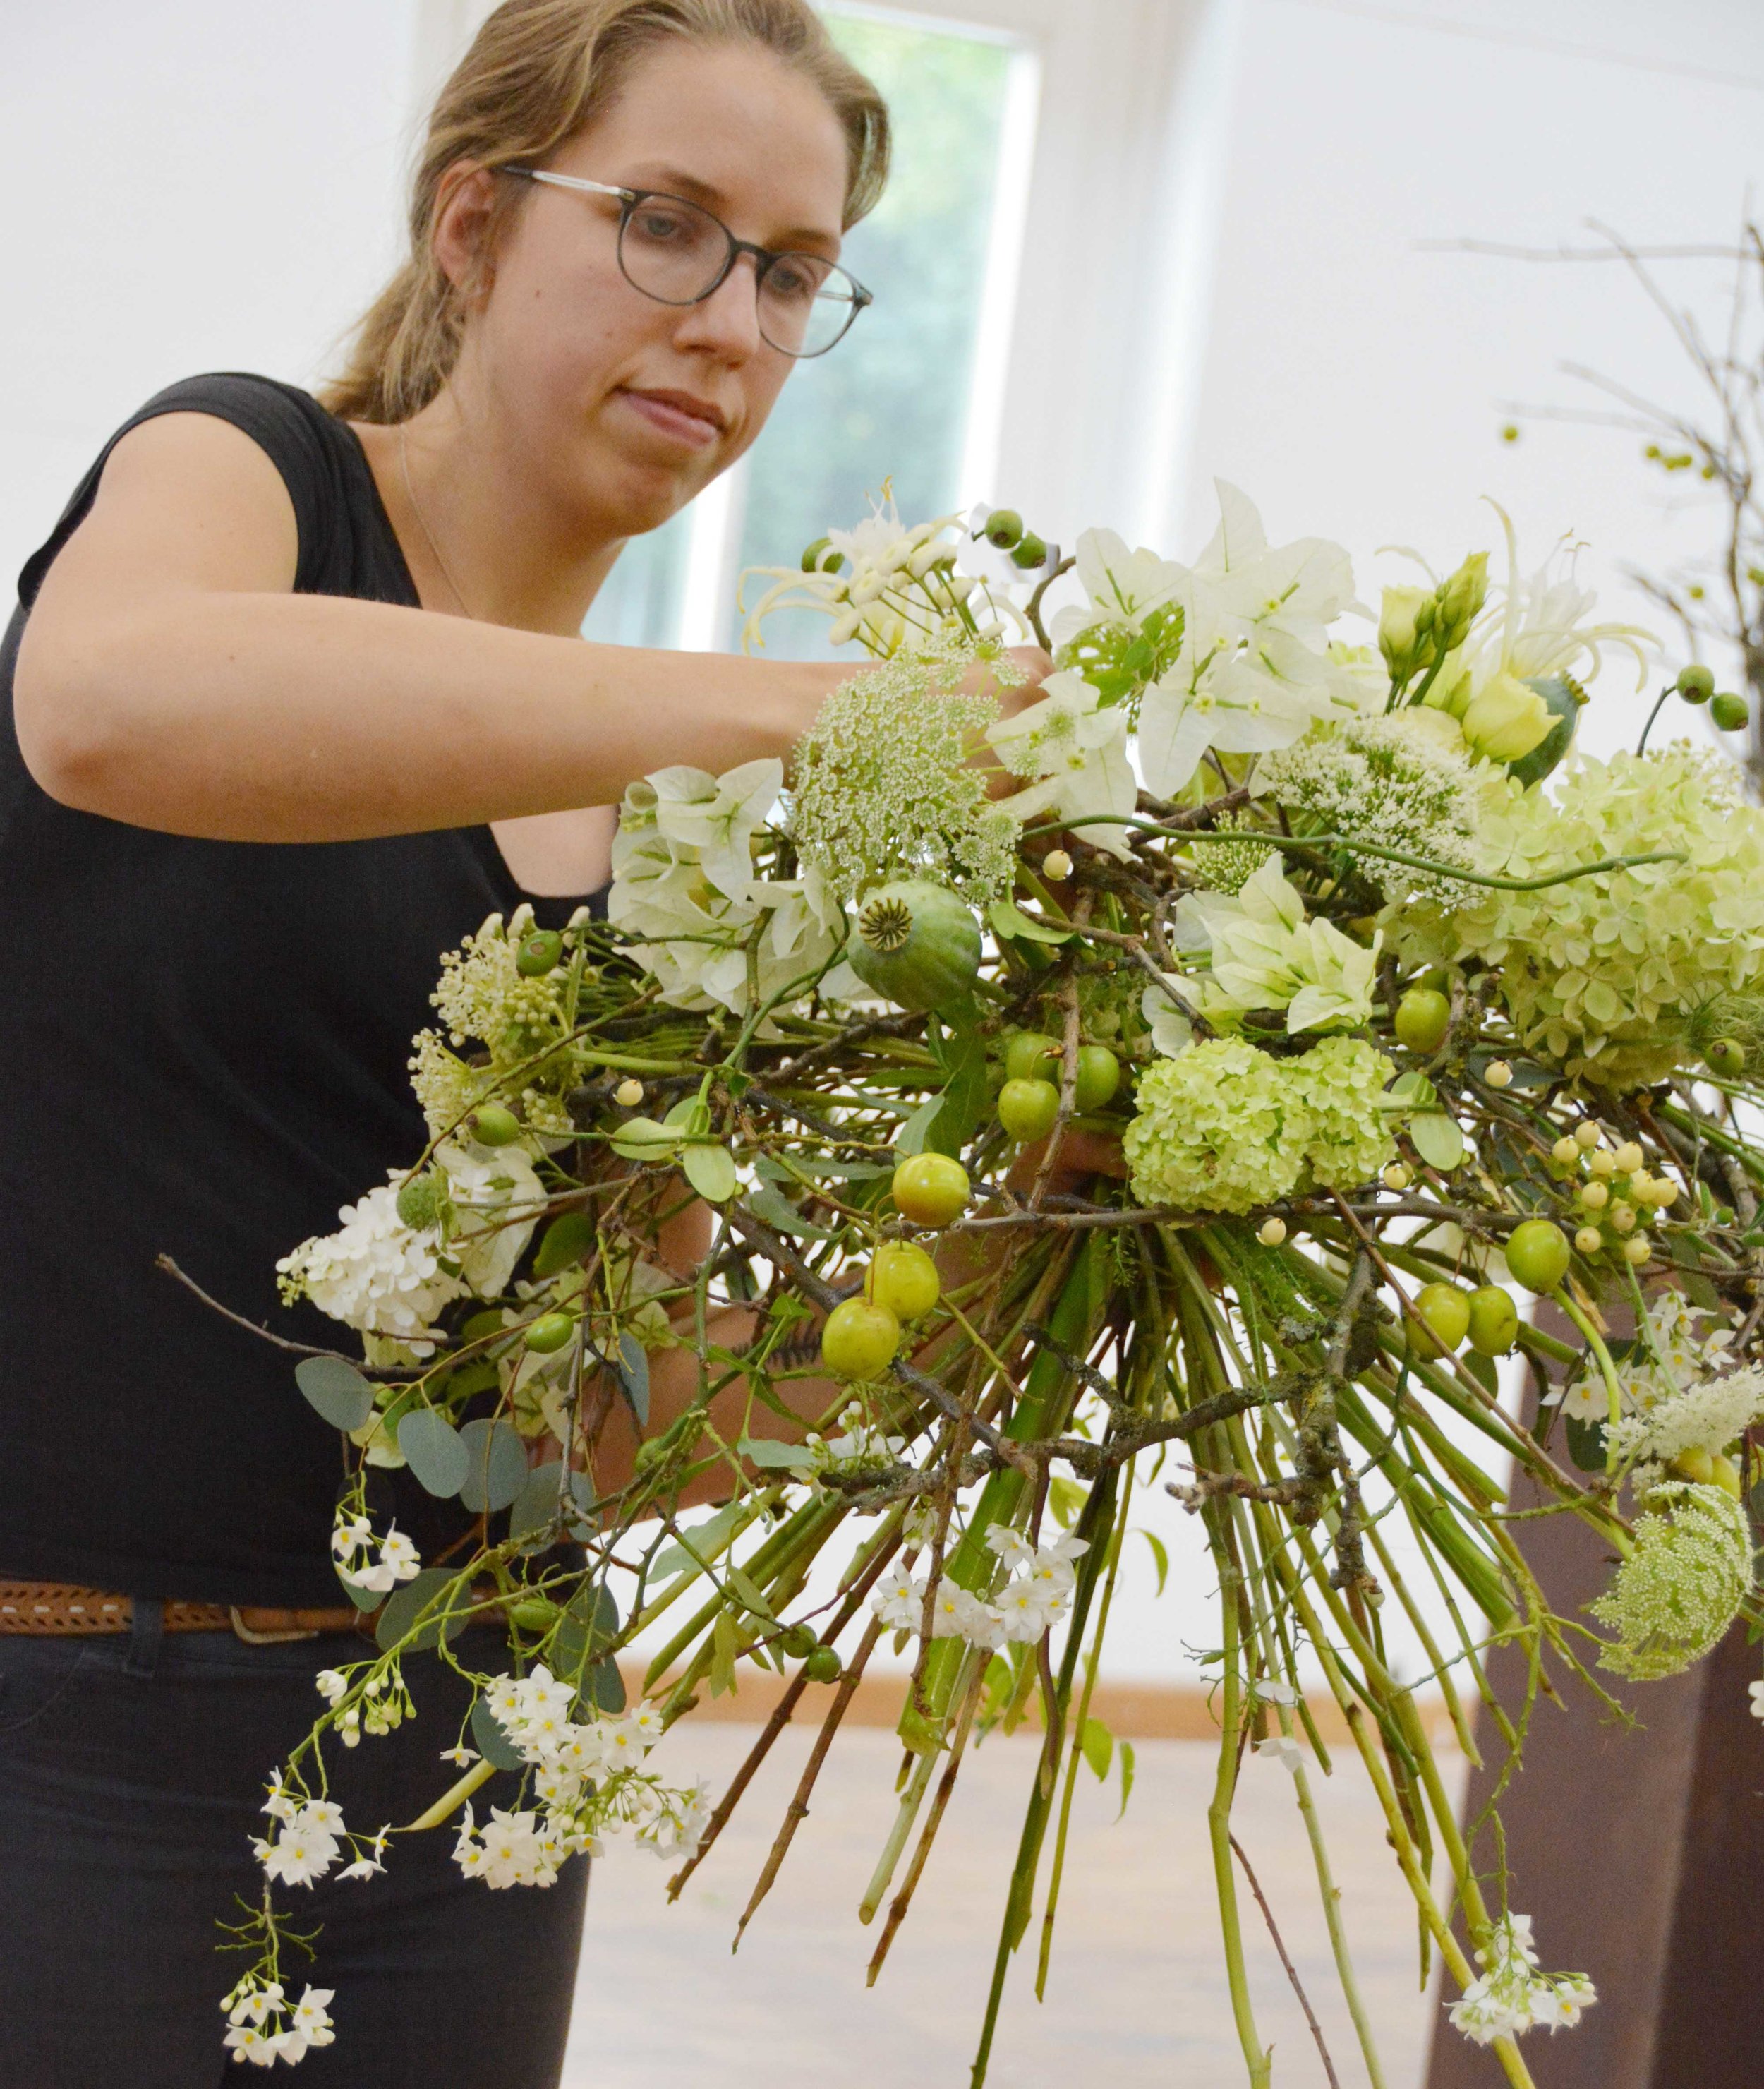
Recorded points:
1082,1156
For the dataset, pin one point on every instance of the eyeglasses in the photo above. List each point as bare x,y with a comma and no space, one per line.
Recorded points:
677,253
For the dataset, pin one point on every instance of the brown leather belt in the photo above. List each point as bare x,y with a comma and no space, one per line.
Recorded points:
52,1607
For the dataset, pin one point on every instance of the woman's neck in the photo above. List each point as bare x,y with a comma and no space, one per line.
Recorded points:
481,539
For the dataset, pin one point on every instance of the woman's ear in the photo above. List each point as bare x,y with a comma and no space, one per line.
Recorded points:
466,223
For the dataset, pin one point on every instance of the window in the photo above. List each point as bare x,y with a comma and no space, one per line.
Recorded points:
911,393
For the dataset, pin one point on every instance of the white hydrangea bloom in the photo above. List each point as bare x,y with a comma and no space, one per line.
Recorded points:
375,1274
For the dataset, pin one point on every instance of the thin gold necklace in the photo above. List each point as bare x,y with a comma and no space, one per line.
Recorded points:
423,523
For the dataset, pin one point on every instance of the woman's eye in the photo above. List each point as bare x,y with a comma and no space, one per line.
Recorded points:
796,281
663,227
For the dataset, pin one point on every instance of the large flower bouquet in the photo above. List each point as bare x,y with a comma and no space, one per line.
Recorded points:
1372,1011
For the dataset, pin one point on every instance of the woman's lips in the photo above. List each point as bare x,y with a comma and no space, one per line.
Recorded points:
695,428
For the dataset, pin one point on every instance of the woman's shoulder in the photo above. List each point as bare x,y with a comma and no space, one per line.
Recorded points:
317,456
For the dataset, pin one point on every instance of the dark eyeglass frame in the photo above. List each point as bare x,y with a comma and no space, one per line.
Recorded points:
764,258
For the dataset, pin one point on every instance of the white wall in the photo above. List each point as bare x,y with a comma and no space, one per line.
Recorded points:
185,186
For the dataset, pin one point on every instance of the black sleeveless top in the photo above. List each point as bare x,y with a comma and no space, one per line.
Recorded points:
204,1051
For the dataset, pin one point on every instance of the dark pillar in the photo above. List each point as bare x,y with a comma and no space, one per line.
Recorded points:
1637,1852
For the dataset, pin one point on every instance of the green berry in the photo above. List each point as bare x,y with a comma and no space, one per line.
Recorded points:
1030,553
540,954
859,1339
1538,1254
492,1125
550,1333
1696,684
904,1279
1729,712
1725,1056
1099,1075
798,1642
1027,1108
1423,1016
1446,1310
1003,529
822,1664
1494,1321
1032,1056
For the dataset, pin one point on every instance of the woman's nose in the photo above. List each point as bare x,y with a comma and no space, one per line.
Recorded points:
726,323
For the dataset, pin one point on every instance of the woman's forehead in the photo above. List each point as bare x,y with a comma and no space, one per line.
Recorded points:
732,127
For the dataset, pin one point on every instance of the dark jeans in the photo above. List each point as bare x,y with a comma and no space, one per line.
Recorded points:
131,1775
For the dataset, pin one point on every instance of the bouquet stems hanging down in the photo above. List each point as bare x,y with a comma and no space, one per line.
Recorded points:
917,1173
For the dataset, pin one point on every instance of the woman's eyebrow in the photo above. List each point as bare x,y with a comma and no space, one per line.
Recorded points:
676,181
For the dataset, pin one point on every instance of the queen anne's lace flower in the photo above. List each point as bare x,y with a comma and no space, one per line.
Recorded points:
375,1274
1707,1416
1404,781
1673,1598
884,786
1605,974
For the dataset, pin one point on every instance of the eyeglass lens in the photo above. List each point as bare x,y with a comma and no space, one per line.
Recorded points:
672,250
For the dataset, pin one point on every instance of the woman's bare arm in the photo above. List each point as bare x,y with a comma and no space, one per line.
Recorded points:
169,678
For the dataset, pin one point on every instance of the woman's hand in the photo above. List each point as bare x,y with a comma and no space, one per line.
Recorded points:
1082,1155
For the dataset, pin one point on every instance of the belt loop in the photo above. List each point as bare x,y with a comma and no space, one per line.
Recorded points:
147,1633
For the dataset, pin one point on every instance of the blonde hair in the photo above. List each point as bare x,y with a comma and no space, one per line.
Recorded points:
537,72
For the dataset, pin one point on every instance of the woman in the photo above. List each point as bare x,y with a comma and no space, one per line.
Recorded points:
298,698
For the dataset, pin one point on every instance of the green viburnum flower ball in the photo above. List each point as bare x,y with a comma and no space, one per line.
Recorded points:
1673,1598
1223,1127
1606,974
1340,1080
1217,1128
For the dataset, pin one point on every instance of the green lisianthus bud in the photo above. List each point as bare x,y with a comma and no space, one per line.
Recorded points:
1462,598
1399,637
1506,720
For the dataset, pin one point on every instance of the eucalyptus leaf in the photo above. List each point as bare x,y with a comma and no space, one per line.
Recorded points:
337,1389
494,1744
496,1465
410,1599
634,1376
536,1503
433,1451
1438,1138
711,1171
606,1687
1587,1444
586,1629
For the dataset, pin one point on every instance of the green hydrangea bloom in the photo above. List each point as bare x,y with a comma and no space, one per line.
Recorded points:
1340,1080
1218,1128
1673,1598
1606,974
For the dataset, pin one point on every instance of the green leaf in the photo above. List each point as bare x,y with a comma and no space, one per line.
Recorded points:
1483,1368
964,1099
336,1389
606,1687
642,1138
1009,920
496,1465
493,1745
912,1136
633,1363
433,1451
725,1644
1097,1744
1412,1089
743,1586
705,1541
774,1209
1438,1139
407,1603
768,1453
1066,1498
1127,1775
587,1628
565,1241
364,1599
1587,1444
536,1503
688,1114
1161,1553
711,1171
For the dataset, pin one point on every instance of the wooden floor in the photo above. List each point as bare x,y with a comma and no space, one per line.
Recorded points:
1135,1996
